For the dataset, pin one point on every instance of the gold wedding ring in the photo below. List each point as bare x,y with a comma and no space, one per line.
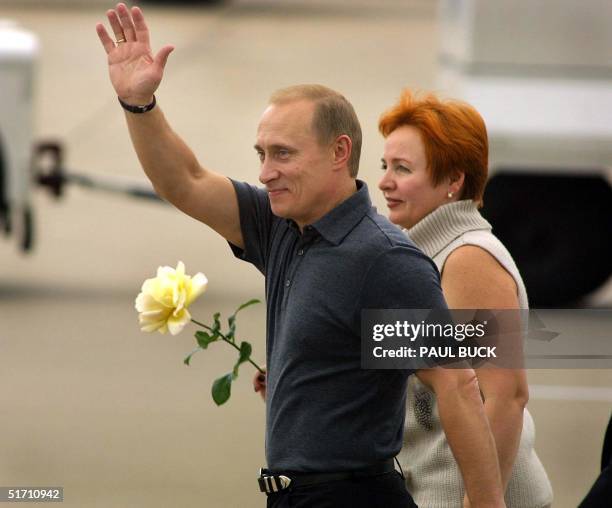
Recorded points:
119,41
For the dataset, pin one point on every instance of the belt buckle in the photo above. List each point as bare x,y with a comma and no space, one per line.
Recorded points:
272,483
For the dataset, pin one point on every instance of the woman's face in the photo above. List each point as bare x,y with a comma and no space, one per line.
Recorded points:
406,184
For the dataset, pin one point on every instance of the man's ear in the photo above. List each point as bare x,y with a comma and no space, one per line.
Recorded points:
341,147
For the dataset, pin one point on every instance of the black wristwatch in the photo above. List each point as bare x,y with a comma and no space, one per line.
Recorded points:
138,109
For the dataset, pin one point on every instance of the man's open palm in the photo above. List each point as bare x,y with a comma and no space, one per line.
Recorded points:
134,72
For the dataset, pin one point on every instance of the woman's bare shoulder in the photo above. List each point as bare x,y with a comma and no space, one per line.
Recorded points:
473,278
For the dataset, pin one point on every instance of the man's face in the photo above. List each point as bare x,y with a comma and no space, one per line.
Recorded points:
295,168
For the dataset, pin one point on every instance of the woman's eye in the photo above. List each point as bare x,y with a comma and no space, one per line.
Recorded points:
383,166
403,169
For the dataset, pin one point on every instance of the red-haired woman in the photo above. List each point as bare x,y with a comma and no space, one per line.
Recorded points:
435,169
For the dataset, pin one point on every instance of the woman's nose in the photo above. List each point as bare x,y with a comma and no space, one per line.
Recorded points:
386,182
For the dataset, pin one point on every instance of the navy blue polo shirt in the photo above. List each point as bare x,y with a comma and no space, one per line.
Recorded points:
323,412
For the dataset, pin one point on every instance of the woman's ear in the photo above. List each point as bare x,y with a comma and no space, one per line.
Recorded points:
455,184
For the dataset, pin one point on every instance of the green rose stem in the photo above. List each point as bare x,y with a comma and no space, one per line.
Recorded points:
228,341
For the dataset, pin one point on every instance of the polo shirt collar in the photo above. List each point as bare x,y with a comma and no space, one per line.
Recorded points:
339,222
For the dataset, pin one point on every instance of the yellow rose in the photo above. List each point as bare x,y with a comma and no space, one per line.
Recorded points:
163,301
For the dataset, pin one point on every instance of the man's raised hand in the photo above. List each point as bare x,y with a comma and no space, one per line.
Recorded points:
134,72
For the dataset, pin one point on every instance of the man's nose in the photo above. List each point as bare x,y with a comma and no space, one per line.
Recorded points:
267,173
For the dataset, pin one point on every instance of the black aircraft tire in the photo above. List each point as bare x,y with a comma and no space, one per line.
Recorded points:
5,217
27,231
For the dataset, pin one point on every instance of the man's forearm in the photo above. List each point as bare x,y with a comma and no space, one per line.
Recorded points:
178,178
469,436
166,159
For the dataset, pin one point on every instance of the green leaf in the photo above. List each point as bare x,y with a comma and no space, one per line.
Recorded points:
188,357
204,339
222,389
244,305
245,355
216,328
231,321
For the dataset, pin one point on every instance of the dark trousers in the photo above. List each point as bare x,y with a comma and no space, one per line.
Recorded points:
600,495
382,491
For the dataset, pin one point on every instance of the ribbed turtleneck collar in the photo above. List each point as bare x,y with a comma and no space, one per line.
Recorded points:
446,223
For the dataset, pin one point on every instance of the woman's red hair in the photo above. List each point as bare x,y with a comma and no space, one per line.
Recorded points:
453,133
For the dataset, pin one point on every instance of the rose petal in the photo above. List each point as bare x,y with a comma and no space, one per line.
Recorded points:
165,271
177,323
153,316
153,327
145,302
178,295
139,302
197,286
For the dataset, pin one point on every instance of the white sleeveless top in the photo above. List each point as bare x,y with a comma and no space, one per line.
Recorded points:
432,475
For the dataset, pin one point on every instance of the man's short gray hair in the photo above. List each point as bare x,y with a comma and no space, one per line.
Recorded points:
333,116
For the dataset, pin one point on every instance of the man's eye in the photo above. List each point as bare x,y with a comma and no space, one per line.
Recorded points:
283,154
383,166
261,156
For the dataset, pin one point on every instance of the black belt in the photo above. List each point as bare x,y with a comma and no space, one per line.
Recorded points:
273,482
